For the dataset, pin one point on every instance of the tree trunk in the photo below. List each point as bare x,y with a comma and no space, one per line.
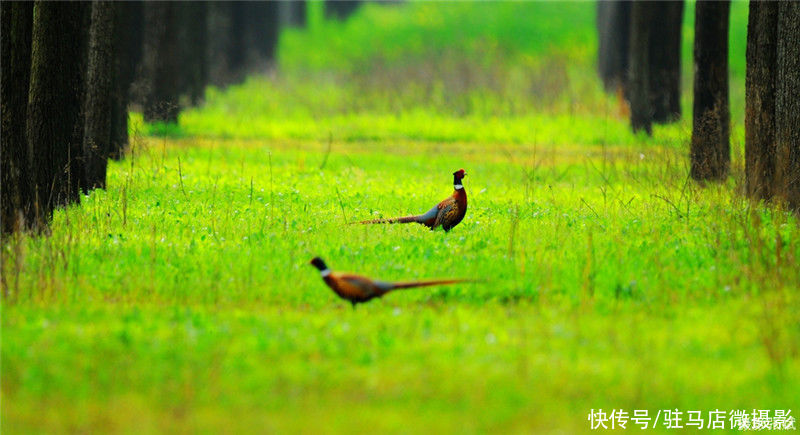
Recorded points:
219,37
759,121
99,93
613,30
195,47
787,106
55,102
340,9
128,40
710,149
161,58
237,48
263,28
639,67
665,60
15,189
292,13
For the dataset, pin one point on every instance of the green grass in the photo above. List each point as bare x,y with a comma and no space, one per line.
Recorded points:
180,298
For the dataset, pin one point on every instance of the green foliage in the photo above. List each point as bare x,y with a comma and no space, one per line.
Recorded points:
180,298
182,294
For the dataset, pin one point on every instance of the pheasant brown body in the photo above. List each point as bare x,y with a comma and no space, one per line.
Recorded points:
359,289
446,214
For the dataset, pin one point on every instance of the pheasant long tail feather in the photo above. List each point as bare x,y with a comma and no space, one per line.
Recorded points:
397,220
413,284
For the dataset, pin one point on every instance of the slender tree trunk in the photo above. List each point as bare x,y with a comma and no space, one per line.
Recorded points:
613,30
128,40
195,63
162,58
219,39
665,60
263,26
341,9
292,13
15,189
787,106
639,66
759,121
710,149
55,102
99,93
237,48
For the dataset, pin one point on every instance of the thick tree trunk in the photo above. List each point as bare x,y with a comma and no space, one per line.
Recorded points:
787,106
665,60
161,59
710,149
639,66
15,189
759,121
55,102
613,30
100,78
128,40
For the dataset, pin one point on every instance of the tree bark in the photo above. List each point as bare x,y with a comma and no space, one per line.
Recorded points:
787,106
665,60
759,121
710,149
195,48
128,40
639,67
161,58
100,79
613,30
15,189
55,103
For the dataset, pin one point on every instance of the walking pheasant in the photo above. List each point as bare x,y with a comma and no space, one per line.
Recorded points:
359,289
447,213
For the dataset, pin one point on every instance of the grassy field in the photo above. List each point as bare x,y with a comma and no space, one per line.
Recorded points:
180,299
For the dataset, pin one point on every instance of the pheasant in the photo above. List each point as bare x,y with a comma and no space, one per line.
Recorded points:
447,213
359,289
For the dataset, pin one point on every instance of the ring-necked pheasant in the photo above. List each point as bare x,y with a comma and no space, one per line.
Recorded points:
359,289
447,213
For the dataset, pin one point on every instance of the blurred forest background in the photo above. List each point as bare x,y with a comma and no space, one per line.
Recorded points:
168,168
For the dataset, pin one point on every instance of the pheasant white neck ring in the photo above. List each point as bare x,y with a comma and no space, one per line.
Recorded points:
325,272
458,186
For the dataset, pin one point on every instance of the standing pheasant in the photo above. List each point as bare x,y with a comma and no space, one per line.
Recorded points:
359,289
447,213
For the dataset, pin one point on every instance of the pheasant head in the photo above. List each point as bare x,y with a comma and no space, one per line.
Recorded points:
321,266
457,177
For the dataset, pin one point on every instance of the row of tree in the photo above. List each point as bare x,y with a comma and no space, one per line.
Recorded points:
70,70
639,57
